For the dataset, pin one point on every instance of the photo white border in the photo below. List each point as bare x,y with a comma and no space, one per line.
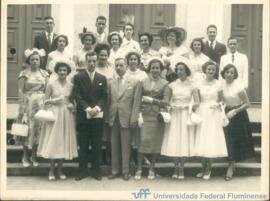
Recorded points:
123,195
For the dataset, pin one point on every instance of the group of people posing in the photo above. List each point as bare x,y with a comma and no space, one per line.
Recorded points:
123,92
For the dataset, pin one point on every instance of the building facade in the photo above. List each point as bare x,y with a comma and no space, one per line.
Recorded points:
241,21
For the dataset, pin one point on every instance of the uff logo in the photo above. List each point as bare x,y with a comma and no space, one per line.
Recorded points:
142,193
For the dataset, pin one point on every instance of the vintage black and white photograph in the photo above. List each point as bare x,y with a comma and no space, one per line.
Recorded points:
135,100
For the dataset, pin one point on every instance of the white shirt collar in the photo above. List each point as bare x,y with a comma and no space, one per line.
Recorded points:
91,74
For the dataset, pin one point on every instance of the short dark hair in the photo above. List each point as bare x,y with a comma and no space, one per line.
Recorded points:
231,38
57,38
101,17
161,66
102,46
197,40
187,70
226,68
109,38
48,18
34,53
128,24
89,34
210,62
90,54
211,26
62,64
133,53
149,36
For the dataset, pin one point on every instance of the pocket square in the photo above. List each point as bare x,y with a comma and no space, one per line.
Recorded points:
100,84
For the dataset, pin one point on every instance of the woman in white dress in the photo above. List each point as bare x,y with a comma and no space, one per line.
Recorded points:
115,41
60,42
129,44
197,59
178,141
133,72
210,140
88,41
58,139
173,38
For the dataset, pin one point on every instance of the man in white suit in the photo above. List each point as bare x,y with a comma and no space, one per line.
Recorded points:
123,106
239,60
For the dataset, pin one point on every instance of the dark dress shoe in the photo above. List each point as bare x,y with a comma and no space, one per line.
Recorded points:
97,176
80,177
126,177
113,176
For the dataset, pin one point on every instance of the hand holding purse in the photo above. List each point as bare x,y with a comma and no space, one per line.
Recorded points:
45,115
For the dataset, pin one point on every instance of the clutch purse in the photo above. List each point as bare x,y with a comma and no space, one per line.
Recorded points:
19,129
45,115
193,117
164,117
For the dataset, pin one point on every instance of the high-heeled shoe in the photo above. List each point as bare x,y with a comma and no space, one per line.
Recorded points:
34,161
138,175
25,162
207,176
199,175
181,173
62,176
51,176
229,174
151,175
175,173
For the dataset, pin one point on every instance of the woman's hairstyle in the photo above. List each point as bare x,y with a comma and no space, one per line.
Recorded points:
148,35
102,46
88,34
179,39
27,60
128,24
187,70
133,53
62,64
226,68
208,63
114,34
55,41
197,40
161,66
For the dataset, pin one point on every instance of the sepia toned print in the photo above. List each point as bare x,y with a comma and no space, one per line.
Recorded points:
149,100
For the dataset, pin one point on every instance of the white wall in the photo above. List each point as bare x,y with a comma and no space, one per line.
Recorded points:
71,18
196,17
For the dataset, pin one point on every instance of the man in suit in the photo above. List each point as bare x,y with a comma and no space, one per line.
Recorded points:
239,60
100,33
44,40
90,94
213,49
123,112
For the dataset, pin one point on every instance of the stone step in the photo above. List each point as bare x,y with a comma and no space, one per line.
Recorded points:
14,154
163,169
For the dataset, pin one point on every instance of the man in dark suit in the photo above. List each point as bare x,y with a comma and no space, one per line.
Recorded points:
44,40
213,49
90,93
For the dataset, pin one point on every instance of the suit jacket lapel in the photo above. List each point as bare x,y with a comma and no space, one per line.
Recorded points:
86,80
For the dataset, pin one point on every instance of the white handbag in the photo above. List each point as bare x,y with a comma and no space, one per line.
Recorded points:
19,129
45,115
164,117
193,118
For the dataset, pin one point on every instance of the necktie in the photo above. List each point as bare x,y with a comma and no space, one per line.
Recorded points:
232,57
49,39
212,45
